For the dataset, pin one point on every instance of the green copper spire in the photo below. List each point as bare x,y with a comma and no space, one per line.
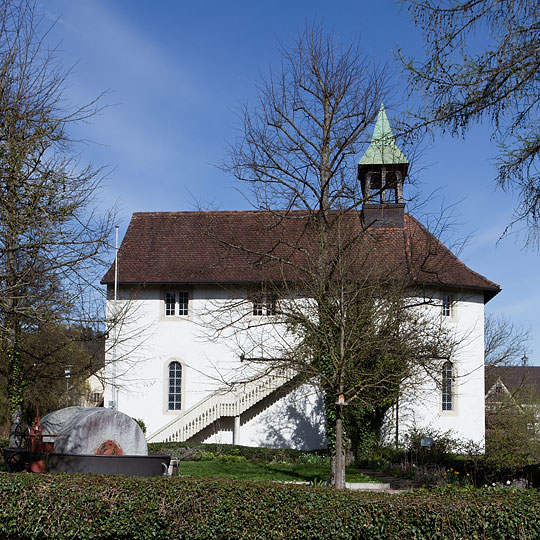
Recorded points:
383,149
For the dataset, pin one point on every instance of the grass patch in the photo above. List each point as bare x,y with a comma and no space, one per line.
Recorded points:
246,470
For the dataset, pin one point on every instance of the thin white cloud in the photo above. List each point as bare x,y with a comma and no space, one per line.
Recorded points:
122,50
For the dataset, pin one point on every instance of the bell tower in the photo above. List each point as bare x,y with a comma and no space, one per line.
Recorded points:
381,173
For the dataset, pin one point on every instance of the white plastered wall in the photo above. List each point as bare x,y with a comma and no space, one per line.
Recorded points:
208,359
422,408
156,341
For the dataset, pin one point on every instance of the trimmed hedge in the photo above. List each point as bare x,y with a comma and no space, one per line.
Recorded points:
99,507
188,451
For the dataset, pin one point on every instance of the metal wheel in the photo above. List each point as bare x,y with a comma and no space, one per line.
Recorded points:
15,464
21,435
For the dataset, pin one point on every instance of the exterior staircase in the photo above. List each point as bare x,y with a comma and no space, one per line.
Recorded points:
232,401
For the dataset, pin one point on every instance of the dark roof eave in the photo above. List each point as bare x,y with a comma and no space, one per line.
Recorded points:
488,293
184,283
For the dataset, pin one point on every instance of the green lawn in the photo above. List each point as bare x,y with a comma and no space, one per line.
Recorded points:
266,471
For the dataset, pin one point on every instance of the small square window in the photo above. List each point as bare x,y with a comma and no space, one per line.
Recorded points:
258,307
264,305
270,305
176,303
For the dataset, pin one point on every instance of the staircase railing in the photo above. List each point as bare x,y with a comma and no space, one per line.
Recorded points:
227,402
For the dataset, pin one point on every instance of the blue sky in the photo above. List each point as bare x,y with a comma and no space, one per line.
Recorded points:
176,73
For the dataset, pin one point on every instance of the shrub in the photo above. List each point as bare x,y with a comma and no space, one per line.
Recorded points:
141,423
233,459
99,508
380,457
445,445
188,451
311,458
511,437
430,467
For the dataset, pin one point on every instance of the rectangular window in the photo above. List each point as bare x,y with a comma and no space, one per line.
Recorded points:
264,305
183,303
375,195
270,305
258,307
170,304
447,401
447,305
176,303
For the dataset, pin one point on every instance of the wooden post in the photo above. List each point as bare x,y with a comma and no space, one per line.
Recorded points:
236,430
397,421
340,458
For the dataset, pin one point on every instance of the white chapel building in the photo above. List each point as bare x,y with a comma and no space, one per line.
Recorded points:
186,287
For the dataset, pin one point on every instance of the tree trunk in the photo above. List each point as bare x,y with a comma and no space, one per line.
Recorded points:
15,387
339,458
16,418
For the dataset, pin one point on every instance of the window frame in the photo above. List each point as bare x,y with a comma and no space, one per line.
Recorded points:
170,310
263,305
448,403
447,306
178,389
182,304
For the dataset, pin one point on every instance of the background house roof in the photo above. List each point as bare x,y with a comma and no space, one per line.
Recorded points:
250,247
514,378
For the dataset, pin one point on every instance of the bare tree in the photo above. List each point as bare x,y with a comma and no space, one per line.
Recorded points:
505,343
347,320
311,118
482,65
51,234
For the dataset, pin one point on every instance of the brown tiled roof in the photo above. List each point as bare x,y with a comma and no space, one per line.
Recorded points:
515,378
250,247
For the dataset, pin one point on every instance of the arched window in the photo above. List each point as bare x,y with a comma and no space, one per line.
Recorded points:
447,386
175,386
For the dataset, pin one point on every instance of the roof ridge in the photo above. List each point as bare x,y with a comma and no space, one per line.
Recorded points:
187,212
276,211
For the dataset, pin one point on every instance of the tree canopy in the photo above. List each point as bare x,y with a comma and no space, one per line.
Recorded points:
51,234
344,323
482,65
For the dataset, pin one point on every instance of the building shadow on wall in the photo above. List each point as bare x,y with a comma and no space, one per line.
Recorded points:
296,421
